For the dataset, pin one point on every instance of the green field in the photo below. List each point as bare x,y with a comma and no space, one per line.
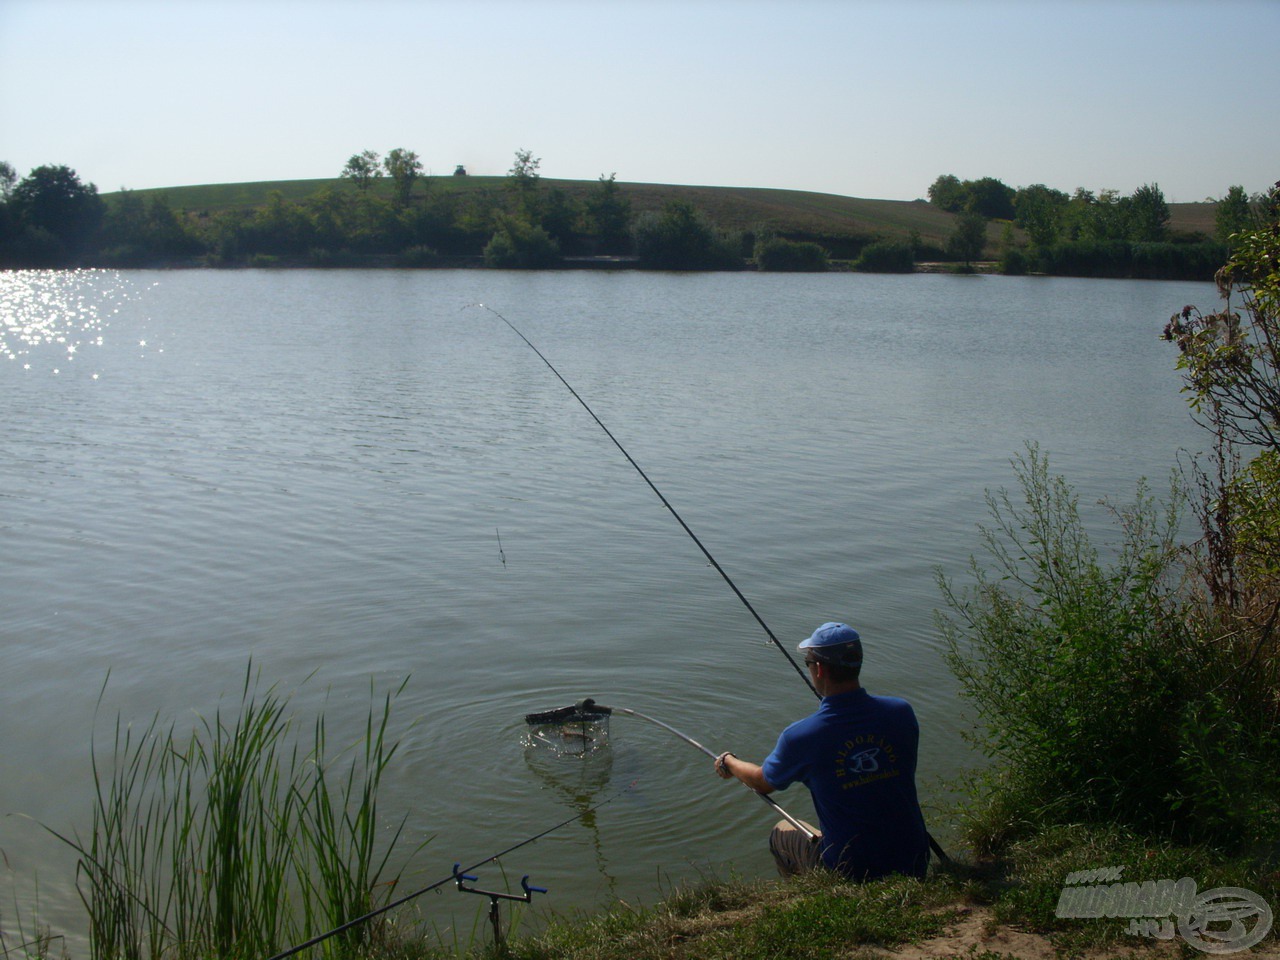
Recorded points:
796,213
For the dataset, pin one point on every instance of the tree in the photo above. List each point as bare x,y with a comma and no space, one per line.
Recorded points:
57,213
8,177
989,197
1105,218
1232,367
609,217
1146,214
404,168
947,193
522,180
968,239
362,169
1039,211
1234,214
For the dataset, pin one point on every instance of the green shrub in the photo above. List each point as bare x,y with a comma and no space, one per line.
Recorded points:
1014,263
1101,698
682,238
782,255
417,256
518,245
886,256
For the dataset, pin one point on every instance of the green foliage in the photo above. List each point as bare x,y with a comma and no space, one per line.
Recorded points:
1255,495
1014,263
405,169
1236,213
778,254
1086,258
1099,697
523,181
54,218
516,244
362,169
988,197
886,256
682,238
608,216
1231,361
969,238
947,193
232,842
1038,210
419,256
1146,214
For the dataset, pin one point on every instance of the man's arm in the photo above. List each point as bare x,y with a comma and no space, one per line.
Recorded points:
729,767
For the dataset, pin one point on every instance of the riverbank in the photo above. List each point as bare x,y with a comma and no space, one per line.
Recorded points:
997,908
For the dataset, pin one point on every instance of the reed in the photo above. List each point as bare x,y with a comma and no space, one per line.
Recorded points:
238,839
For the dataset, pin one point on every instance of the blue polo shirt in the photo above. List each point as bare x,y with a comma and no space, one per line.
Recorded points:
857,756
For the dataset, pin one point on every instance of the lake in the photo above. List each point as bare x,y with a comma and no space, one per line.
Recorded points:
348,478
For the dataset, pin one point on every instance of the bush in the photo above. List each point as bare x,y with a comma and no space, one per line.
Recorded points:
1101,698
887,256
682,238
1014,263
780,254
417,256
1087,258
518,245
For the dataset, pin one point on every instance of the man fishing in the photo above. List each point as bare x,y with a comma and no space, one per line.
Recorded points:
857,756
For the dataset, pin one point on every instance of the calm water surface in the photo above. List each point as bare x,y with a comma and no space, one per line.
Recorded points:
353,477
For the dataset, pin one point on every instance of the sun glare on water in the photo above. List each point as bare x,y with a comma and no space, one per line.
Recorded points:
56,321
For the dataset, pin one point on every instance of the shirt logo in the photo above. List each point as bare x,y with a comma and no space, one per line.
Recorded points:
864,762
865,759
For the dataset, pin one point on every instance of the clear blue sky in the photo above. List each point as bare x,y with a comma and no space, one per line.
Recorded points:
855,97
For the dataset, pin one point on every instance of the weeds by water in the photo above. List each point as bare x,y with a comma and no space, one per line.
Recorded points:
235,840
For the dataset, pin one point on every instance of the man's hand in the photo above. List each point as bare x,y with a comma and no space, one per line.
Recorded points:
722,766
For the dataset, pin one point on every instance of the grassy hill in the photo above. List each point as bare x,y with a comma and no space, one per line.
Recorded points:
829,218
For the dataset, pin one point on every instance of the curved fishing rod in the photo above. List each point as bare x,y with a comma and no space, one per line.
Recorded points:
588,710
665,502
452,878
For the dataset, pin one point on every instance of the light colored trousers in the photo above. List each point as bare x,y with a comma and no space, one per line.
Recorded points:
792,851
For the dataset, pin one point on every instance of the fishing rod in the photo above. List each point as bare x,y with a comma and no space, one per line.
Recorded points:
452,878
934,845
665,502
588,711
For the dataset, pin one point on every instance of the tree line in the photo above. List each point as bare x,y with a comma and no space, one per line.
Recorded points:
53,219
392,213
1088,233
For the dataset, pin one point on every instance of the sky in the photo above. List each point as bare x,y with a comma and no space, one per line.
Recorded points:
853,97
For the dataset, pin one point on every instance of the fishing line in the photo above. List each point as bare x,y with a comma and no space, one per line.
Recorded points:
449,879
665,502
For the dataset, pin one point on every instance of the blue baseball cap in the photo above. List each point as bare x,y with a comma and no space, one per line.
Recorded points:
835,643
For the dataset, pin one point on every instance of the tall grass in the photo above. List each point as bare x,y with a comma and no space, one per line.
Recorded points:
235,840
